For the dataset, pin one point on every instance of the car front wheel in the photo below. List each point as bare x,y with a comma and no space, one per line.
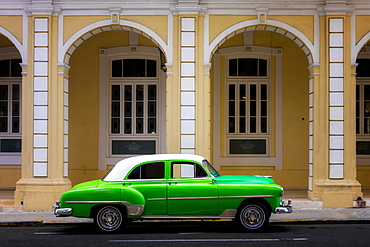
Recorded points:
109,218
253,215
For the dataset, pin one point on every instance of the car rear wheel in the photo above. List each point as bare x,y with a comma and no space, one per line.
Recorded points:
109,218
253,215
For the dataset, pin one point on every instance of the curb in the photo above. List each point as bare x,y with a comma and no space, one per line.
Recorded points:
40,223
322,221
22,223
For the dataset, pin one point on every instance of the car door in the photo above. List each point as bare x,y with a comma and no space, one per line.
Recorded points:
149,180
191,190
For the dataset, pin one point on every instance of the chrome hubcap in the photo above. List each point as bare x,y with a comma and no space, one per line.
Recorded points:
109,218
252,217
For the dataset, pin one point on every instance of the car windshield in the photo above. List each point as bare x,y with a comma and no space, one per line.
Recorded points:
210,168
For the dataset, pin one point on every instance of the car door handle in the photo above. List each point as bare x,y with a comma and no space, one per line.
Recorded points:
126,184
173,183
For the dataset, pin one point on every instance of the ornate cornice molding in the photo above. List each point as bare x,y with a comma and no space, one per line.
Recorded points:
188,7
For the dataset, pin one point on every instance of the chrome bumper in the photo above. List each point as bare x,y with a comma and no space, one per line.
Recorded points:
284,209
60,212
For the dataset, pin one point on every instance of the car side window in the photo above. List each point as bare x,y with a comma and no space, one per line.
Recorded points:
187,170
148,171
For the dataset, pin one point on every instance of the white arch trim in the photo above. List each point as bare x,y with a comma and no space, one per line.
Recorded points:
357,48
245,24
84,30
16,43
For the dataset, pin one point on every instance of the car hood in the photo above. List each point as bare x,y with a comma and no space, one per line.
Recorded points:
245,179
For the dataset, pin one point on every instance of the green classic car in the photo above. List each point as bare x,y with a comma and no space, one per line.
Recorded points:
172,186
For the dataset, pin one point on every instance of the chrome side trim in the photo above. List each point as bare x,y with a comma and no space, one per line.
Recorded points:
157,199
229,213
140,180
181,198
236,197
92,202
202,198
189,179
191,198
186,217
131,209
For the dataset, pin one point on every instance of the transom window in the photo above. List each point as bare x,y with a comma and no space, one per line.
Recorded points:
247,67
362,69
134,68
10,68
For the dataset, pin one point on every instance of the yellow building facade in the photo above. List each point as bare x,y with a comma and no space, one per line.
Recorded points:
276,88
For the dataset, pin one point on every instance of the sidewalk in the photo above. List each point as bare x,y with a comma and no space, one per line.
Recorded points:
304,211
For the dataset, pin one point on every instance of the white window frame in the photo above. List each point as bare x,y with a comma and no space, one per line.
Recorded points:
11,158
105,136
221,141
362,159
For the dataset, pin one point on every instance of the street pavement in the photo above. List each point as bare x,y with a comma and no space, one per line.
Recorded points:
303,212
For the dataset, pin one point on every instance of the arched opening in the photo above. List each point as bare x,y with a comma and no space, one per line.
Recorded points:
10,116
116,107
363,117
260,83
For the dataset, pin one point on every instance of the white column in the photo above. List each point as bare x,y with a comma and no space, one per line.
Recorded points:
188,85
65,75
336,103
65,133
40,98
311,135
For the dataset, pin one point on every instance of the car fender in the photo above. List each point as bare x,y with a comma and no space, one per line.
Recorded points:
133,200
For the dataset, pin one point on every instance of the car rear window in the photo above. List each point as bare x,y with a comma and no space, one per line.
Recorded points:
148,171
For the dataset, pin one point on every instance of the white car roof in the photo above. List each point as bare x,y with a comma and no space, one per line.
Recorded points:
119,171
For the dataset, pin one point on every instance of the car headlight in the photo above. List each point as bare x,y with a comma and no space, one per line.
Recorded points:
282,192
